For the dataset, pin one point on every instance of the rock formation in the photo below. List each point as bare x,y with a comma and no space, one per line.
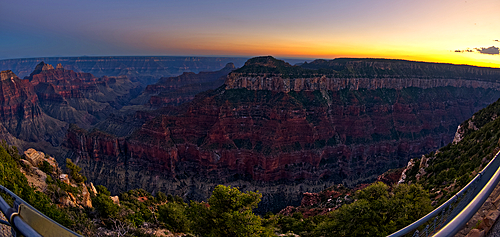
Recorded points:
261,131
283,130
39,178
183,88
267,73
21,114
145,70
80,98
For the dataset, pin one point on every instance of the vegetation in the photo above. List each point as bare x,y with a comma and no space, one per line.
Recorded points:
454,165
74,171
376,210
12,178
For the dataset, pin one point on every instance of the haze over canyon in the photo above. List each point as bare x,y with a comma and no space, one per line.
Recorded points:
263,125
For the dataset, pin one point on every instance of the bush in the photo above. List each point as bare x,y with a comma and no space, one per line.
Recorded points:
105,206
377,212
74,171
228,213
46,167
174,216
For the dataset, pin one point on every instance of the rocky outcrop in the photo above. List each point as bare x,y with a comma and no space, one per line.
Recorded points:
323,202
77,97
36,158
263,134
145,70
183,88
40,177
21,114
277,83
485,218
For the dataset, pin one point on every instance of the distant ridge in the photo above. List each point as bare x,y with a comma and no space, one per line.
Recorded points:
144,69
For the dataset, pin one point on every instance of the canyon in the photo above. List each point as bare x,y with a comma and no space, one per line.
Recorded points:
256,134
269,126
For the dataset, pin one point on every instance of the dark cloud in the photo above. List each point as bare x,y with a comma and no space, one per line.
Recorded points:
497,40
489,50
464,51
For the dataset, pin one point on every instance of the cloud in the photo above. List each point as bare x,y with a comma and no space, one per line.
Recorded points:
489,50
496,40
464,51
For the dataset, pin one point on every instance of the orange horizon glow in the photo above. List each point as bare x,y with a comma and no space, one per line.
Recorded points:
425,30
318,51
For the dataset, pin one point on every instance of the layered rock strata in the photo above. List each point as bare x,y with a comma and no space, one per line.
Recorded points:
277,83
286,130
273,141
78,97
21,114
183,88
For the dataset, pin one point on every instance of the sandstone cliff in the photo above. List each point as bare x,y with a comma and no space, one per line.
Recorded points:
21,114
77,97
267,73
283,130
274,141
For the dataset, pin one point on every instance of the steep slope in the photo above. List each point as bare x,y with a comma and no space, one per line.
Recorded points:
21,114
183,88
77,97
267,73
260,132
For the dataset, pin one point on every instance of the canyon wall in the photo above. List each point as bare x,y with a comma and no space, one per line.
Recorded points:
284,130
278,83
272,127
21,116
272,141
180,89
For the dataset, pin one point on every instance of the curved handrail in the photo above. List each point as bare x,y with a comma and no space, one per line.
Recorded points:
16,218
468,212
483,179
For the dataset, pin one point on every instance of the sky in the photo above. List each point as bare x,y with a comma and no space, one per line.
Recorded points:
449,31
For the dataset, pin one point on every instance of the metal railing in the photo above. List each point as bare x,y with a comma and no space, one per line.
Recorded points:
446,220
451,216
23,219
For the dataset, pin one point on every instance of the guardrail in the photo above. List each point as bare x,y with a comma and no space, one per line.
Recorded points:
451,216
446,220
25,220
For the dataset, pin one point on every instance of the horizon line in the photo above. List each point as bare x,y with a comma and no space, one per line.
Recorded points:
239,56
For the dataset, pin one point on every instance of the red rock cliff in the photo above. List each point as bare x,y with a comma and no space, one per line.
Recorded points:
21,115
264,134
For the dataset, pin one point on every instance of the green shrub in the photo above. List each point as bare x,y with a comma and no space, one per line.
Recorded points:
74,171
46,167
174,216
